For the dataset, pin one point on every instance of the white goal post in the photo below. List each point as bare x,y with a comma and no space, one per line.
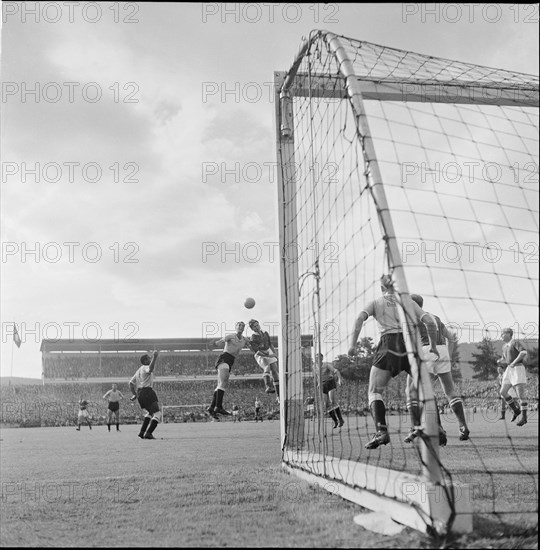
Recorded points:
336,184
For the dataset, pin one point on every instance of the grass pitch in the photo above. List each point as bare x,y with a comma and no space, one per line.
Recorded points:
199,484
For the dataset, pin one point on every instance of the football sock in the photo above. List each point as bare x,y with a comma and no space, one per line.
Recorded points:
512,403
338,414
219,398
145,423
457,407
378,412
213,404
332,414
414,412
152,427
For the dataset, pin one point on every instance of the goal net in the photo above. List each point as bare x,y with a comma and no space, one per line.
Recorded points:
426,170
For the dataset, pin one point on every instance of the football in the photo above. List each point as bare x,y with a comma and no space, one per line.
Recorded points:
249,303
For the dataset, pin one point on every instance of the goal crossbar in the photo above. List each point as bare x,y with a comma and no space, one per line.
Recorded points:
388,89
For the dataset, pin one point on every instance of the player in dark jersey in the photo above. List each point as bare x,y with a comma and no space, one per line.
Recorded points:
515,375
440,368
83,413
266,357
328,375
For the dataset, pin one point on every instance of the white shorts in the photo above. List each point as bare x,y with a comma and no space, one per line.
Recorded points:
264,361
83,414
437,366
514,375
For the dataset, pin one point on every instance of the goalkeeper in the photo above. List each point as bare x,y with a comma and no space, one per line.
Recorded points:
266,358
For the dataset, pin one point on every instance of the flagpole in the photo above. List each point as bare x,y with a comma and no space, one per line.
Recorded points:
11,370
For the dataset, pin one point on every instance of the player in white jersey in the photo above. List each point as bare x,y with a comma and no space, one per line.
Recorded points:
328,375
391,354
141,387
266,357
441,369
113,396
515,375
233,343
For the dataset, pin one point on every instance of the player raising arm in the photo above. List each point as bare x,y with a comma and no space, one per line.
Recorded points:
141,387
391,354
266,357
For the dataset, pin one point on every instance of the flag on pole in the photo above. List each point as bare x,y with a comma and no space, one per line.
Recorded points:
16,337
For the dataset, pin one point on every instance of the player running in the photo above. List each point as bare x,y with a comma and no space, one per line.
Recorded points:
328,375
113,396
234,343
440,368
141,387
515,375
266,357
83,413
391,354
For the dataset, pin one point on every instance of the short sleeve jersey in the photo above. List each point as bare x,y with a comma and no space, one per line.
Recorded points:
441,340
143,378
233,344
327,372
113,396
385,311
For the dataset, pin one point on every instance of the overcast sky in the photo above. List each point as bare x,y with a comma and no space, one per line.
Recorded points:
151,127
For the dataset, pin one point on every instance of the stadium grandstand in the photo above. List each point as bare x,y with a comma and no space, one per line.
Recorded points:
80,360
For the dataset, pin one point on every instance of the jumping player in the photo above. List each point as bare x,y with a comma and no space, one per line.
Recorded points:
83,413
441,369
113,396
234,343
391,354
266,357
141,387
515,375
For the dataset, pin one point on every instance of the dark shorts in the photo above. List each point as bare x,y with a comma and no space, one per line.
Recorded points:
225,358
114,406
148,400
391,354
329,385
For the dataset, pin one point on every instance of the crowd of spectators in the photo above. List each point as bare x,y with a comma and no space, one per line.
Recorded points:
186,400
81,366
